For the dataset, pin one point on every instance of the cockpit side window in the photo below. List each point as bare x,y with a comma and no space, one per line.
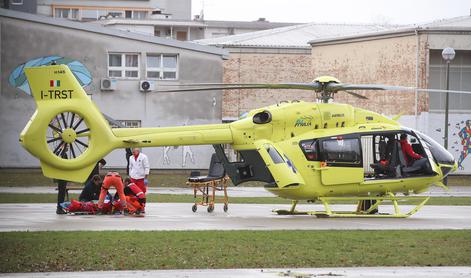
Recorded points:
439,153
310,149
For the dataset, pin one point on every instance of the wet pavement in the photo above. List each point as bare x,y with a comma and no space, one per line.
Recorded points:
349,272
173,216
240,191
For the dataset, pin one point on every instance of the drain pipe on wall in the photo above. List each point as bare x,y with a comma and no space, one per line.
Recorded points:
417,58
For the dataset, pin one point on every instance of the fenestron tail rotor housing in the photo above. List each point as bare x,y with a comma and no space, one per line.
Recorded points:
68,135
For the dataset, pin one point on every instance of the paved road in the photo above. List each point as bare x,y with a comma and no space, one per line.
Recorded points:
172,216
240,191
349,272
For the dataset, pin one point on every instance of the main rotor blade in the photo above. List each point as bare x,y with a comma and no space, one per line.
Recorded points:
343,87
315,86
356,95
223,86
443,91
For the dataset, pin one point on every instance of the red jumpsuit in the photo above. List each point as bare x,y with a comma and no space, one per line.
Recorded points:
140,183
112,179
135,198
408,152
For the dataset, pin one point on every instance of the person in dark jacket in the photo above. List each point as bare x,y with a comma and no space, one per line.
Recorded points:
61,184
96,170
128,155
91,191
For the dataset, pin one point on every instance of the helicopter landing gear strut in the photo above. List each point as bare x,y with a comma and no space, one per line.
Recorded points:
362,211
291,211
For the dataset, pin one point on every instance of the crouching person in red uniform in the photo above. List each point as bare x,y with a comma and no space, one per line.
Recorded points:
112,179
135,197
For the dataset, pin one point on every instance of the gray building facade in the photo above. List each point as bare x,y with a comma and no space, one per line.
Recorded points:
124,58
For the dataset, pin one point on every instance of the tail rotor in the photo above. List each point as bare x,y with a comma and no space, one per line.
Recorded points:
68,135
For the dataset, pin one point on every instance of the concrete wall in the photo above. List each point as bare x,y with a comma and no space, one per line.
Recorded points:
126,103
381,61
264,68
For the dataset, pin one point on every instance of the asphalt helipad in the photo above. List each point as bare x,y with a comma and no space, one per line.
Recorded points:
173,216
233,191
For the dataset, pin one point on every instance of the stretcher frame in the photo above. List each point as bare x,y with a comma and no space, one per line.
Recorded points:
208,193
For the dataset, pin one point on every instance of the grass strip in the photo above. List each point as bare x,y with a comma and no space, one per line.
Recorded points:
160,178
94,251
178,198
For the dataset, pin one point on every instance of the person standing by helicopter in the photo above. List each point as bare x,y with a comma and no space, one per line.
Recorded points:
139,169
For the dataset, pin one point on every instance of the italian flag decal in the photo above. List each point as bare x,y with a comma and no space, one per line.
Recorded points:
54,83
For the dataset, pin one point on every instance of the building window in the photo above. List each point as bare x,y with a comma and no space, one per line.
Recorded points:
123,65
66,13
162,66
135,14
130,123
16,2
460,79
139,14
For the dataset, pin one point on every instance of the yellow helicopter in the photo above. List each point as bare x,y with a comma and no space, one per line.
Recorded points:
302,151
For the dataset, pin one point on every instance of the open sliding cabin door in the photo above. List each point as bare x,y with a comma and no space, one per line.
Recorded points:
342,158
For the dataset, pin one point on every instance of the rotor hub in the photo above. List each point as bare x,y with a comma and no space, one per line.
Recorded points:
69,135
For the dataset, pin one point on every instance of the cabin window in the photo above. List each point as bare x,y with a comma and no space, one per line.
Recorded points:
310,149
342,151
275,156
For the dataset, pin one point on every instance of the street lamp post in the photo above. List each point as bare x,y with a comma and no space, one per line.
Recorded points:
448,55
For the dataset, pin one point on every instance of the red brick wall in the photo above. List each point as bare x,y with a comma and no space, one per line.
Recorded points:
389,61
264,68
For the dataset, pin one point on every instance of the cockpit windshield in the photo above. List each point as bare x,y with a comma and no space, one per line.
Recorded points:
440,154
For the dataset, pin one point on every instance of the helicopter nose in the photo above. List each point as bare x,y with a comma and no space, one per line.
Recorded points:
450,168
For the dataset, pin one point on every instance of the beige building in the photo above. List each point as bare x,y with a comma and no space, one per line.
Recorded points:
276,55
409,57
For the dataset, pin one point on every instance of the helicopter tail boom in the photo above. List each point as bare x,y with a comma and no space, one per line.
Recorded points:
69,134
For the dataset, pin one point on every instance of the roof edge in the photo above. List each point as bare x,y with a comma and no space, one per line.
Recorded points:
94,28
365,36
387,34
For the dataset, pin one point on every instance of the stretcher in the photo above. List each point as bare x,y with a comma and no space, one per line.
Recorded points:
204,193
205,187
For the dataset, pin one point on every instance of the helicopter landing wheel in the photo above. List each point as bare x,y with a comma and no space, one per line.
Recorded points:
226,207
210,208
194,208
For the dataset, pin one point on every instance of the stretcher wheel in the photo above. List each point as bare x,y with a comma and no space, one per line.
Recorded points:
210,208
226,207
194,208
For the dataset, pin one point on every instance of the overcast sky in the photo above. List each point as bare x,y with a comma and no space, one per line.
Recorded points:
333,11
